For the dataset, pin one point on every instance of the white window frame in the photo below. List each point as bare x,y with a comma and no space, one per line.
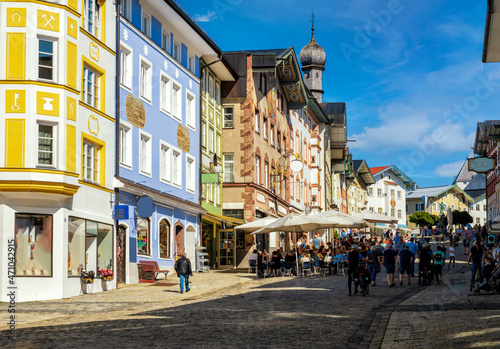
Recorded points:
379,210
165,93
399,195
191,63
379,193
218,139
257,170
204,134
190,174
176,100
96,18
165,40
145,154
145,79
256,122
264,128
224,117
217,93
177,163
177,51
127,147
165,162
211,134
146,23
95,159
228,177
54,143
96,87
211,86
54,57
190,110
126,66
125,9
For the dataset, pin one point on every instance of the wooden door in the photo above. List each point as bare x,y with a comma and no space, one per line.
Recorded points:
179,240
121,255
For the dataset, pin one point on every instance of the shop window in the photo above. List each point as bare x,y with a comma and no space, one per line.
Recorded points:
33,245
143,237
76,246
165,241
104,246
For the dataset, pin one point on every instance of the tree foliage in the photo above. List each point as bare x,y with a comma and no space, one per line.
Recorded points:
462,217
424,219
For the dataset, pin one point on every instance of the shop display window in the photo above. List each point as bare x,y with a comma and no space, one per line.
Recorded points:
143,237
76,246
104,247
33,245
90,246
165,241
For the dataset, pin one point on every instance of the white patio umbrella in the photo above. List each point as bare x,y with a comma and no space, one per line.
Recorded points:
373,217
295,223
341,220
256,224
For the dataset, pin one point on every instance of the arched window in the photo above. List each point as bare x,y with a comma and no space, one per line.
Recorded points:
165,240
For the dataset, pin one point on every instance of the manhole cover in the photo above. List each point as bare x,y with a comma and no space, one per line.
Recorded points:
165,284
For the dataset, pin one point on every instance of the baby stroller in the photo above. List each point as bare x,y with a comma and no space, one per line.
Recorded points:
363,279
426,275
491,285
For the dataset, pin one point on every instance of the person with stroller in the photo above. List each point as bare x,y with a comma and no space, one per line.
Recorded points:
353,262
425,265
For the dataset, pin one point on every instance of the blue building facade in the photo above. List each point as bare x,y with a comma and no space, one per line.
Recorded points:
159,136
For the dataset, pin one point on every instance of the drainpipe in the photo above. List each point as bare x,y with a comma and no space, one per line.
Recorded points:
117,123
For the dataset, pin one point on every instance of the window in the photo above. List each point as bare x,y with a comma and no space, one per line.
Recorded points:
392,193
228,117
217,144
379,210
211,139
143,237
203,82
145,80
264,128
484,207
400,214
46,145
211,87
177,102
478,220
33,234
177,167
165,162
228,160
257,170
165,40
76,246
190,174
266,175
257,122
191,64
371,209
203,134
125,67
399,195
125,9
165,240
125,145
477,207
217,94
104,246
46,60
454,196
92,10
190,111
379,193
419,206
165,93
177,51
91,91
271,135
90,162
145,154
217,194
210,189
146,24
434,206
453,207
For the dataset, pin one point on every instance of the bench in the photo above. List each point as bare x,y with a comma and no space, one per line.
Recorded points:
153,268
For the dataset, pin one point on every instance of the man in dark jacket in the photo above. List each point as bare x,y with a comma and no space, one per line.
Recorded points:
183,269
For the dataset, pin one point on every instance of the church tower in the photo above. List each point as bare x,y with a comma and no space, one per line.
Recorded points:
313,59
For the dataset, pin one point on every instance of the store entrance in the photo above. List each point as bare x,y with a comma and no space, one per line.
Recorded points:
226,248
121,245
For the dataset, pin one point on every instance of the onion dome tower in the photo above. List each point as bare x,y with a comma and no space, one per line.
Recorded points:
313,60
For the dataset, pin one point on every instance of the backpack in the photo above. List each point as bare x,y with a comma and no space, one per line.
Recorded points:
438,256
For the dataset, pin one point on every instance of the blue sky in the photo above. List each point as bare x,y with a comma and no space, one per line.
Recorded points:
410,71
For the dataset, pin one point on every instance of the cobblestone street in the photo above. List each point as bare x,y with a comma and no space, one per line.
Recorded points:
226,310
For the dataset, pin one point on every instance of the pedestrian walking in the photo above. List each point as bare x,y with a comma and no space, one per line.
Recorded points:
183,269
389,260
405,259
451,252
373,261
475,255
353,259
439,257
413,247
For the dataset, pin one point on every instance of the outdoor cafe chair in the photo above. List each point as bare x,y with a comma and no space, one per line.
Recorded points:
326,264
306,269
252,266
288,269
317,267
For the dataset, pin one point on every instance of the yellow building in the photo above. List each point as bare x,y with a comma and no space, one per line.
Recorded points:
57,91
436,200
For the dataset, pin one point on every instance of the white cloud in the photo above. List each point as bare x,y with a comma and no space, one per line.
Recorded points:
208,17
449,170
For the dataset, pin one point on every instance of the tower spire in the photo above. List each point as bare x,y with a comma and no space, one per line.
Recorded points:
312,27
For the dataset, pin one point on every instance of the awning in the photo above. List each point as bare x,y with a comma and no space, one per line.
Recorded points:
215,218
495,229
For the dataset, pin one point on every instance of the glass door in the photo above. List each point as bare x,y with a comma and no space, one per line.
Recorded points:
227,248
